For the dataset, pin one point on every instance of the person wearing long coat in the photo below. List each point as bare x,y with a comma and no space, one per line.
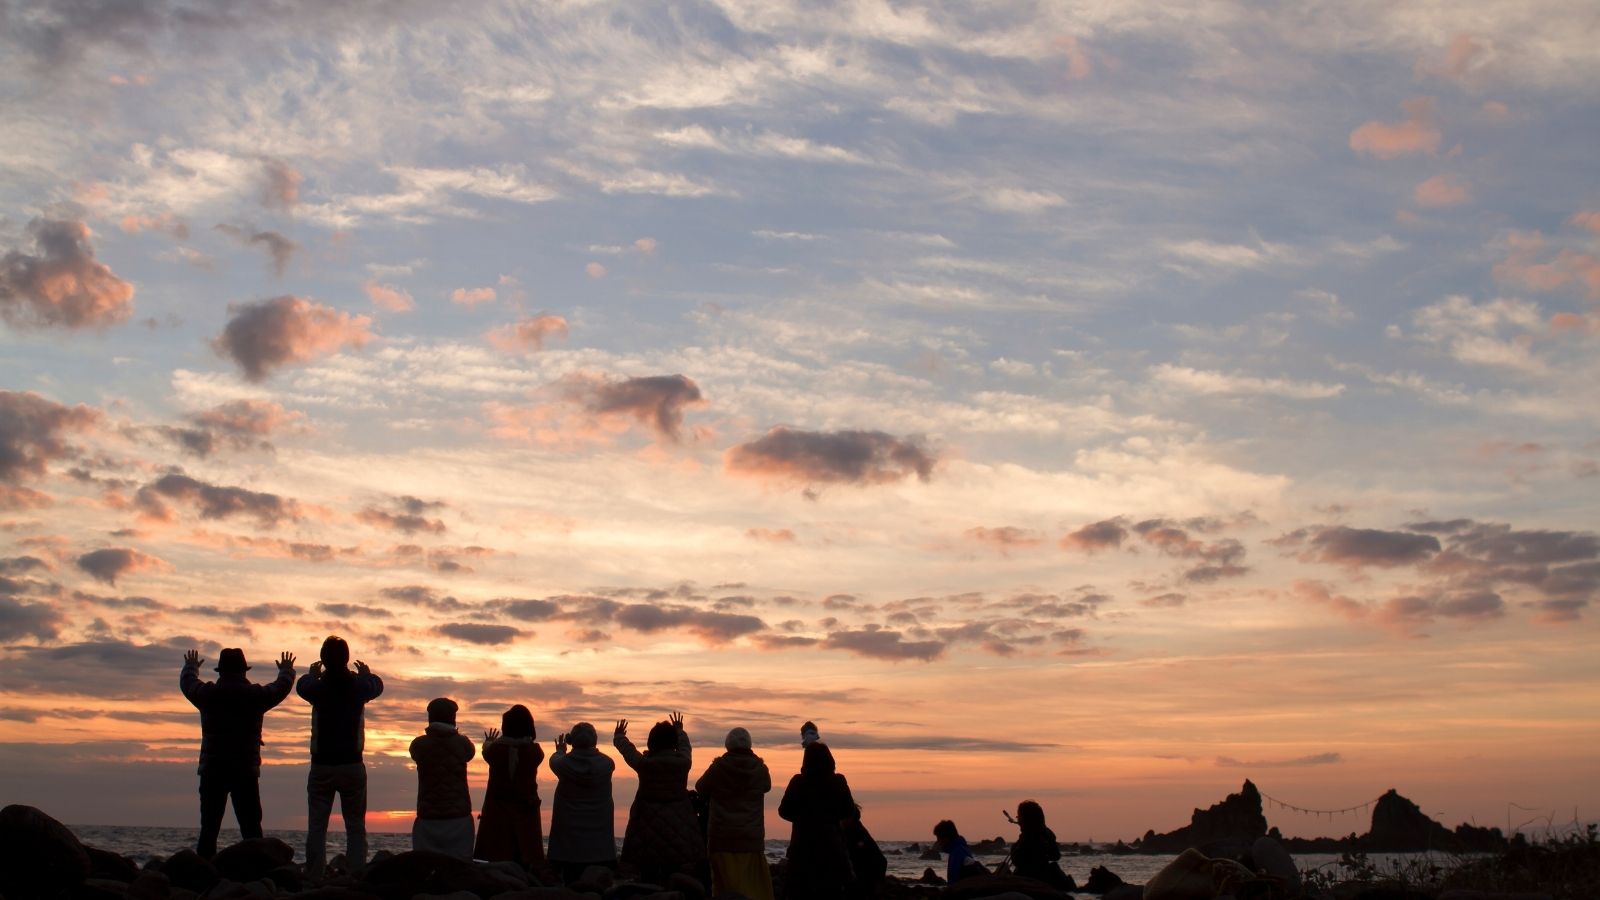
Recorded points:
816,801
663,834
1036,854
735,784
444,805
582,831
508,827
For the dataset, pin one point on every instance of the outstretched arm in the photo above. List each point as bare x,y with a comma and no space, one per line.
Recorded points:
273,694
619,739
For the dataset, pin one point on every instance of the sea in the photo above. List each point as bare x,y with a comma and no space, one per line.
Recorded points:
141,843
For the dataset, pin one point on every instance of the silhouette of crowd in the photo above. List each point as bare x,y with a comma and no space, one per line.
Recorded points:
714,832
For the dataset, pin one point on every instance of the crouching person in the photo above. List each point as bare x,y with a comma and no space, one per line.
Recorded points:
444,808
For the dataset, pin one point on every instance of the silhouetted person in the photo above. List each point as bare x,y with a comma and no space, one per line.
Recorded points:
817,801
809,734
735,785
1036,854
959,861
231,709
508,828
582,827
663,835
444,807
338,738
866,857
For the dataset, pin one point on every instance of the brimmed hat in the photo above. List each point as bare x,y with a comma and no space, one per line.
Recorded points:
232,660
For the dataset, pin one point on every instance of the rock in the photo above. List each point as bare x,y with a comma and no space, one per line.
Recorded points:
1461,894
39,857
632,890
1101,880
104,864
288,877
101,889
992,847
251,860
929,877
1002,886
453,895
187,869
1237,816
546,893
687,885
1271,857
1126,892
511,873
150,884
931,853
336,893
600,876
423,871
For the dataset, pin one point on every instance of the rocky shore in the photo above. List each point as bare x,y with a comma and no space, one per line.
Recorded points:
41,859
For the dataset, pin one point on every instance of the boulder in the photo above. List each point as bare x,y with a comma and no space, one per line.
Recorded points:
546,893
1101,881
189,870
336,893
453,895
1126,892
105,865
427,872
288,877
1271,858
929,876
39,857
251,860
991,847
1002,885
101,889
687,885
150,884
932,853
631,890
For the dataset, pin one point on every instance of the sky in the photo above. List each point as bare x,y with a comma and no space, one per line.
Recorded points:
1097,403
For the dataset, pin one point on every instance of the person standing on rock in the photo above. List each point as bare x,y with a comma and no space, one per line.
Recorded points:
338,698
663,834
582,819
736,784
508,828
231,710
444,806
817,801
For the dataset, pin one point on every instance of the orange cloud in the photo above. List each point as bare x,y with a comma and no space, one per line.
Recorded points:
595,270
60,284
33,433
1464,56
1388,140
1589,219
166,223
1004,538
527,334
645,245
771,535
1079,64
388,297
269,334
1441,190
1528,266
470,297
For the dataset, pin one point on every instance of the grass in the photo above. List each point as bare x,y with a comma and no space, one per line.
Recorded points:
1565,866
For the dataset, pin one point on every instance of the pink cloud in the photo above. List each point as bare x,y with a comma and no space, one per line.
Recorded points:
1527,265
1589,219
1096,536
33,431
595,270
269,334
1388,140
1004,538
470,297
60,284
1464,57
388,297
1495,110
1079,64
1441,190
645,245
528,334
166,223
771,535
280,184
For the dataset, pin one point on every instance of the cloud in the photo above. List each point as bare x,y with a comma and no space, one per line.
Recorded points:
1360,547
1004,538
408,516
1389,140
111,563
1315,759
1168,600
349,611
1096,536
712,627
646,245
19,619
1464,57
1441,190
280,184
168,223
771,535
839,457
1589,219
33,433
1529,266
879,643
213,501
279,248
527,334
654,401
388,297
479,633
1411,610
470,297
595,270
1199,381
60,284
235,425
268,334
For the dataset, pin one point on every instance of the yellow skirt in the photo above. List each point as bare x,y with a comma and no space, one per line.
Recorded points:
746,873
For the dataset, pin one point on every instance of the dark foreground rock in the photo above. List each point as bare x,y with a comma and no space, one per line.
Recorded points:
39,857
252,860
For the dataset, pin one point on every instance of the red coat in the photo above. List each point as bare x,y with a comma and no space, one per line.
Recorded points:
509,828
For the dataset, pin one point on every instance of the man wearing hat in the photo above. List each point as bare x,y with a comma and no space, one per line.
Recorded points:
231,709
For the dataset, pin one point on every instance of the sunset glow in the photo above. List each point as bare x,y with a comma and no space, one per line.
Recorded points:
1100,405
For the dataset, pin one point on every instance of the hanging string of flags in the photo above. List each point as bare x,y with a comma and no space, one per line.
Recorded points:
1319,813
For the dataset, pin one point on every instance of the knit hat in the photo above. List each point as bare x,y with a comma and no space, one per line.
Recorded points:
583,736
738,739
232,661
442,710
808,734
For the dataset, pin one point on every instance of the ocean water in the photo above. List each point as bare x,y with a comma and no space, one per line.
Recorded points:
142,843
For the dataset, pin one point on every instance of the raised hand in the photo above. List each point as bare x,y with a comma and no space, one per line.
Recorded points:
192,658
621,730
561,743
286,661
676,718
316,669
491,735
361,668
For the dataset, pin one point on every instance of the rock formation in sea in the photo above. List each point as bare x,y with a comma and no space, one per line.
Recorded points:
1238,818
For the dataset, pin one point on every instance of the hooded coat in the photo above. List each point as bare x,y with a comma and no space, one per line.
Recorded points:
509,827
581,823
819,861
231,710
662,829
736,784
